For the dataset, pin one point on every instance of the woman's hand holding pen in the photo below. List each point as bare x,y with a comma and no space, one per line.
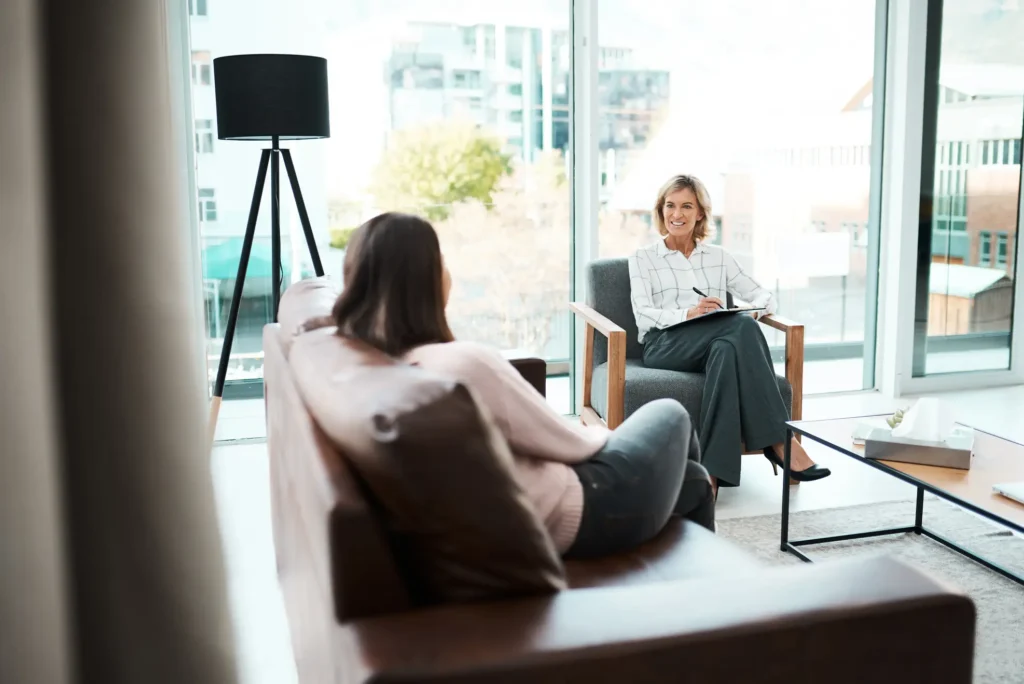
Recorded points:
704,305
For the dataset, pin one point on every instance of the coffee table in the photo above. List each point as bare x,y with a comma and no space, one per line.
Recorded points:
996,459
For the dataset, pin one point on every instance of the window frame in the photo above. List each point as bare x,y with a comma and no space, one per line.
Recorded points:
202,71
985,248
204,136
897,110
207,204
1001,250
911,252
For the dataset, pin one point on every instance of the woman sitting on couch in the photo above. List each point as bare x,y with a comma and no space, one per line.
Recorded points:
597,492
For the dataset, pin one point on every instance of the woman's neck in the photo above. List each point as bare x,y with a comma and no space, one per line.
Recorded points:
685,245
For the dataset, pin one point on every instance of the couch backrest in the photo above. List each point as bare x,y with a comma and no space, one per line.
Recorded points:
322,520
608,293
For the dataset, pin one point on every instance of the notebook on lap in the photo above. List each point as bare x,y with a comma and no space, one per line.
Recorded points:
717,312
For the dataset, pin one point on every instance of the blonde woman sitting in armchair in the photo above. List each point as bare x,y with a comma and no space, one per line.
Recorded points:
682,278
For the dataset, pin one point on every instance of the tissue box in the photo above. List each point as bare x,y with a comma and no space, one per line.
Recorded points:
953,452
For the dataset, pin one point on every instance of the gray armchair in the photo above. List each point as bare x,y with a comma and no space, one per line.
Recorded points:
615,381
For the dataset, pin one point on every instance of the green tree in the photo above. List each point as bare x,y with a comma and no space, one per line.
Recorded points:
429,168
510,260
341,236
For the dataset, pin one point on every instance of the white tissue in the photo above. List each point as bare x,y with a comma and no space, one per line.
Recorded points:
929,420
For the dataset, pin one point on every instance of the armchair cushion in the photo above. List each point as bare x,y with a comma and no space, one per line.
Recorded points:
645,384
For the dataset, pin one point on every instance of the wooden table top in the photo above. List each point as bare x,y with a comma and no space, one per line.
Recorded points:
996,460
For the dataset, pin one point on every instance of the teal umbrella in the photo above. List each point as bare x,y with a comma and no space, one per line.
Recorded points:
220,260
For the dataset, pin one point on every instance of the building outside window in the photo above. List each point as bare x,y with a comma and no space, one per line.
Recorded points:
207,205
468,38
442,110
1006,151
204,136
793,242
966,323
202,68
197,8
463,78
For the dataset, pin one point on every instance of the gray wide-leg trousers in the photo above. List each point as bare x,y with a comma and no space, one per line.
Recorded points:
741,404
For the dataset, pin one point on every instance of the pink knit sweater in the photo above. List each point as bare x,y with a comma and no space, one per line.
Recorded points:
542,442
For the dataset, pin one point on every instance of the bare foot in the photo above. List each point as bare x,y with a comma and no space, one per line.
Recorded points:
798,458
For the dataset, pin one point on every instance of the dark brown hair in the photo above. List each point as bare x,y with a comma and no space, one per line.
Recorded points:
394,285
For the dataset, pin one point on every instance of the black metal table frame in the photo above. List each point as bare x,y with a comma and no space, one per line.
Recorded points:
918,526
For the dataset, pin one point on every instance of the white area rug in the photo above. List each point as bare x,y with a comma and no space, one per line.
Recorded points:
999,646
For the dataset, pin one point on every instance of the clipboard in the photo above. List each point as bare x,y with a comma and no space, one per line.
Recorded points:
716,312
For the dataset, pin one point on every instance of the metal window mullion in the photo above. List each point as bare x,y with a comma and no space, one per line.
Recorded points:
900,196
583,113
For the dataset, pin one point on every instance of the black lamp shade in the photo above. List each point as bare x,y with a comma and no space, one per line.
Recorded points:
262,96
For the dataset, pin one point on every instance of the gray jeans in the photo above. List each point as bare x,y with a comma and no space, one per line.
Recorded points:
648,471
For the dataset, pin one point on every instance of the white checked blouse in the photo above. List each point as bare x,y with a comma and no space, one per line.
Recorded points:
661,282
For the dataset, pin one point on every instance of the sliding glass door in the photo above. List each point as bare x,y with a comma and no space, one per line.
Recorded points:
455,111
776,107
971,188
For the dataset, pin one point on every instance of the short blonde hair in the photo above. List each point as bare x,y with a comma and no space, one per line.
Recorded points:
705,226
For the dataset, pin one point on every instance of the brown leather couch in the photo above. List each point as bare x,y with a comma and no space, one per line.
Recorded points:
687,607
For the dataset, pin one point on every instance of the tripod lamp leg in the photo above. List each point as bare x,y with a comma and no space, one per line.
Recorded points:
236,297
275,231
300,205
215,403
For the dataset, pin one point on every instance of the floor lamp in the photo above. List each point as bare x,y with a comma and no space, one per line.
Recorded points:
268,98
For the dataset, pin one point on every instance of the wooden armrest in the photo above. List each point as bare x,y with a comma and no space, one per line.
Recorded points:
832,622
601,324
794,358
779,323
616,364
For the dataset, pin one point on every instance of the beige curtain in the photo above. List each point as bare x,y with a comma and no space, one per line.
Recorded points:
111,567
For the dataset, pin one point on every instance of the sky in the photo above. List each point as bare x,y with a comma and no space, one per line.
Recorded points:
738,67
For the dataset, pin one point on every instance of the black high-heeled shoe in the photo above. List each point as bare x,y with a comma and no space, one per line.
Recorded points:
815,472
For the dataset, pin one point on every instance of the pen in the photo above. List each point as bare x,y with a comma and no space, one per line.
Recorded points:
702,294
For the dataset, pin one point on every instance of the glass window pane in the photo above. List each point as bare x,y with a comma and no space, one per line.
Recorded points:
701,122
462,120
971,288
